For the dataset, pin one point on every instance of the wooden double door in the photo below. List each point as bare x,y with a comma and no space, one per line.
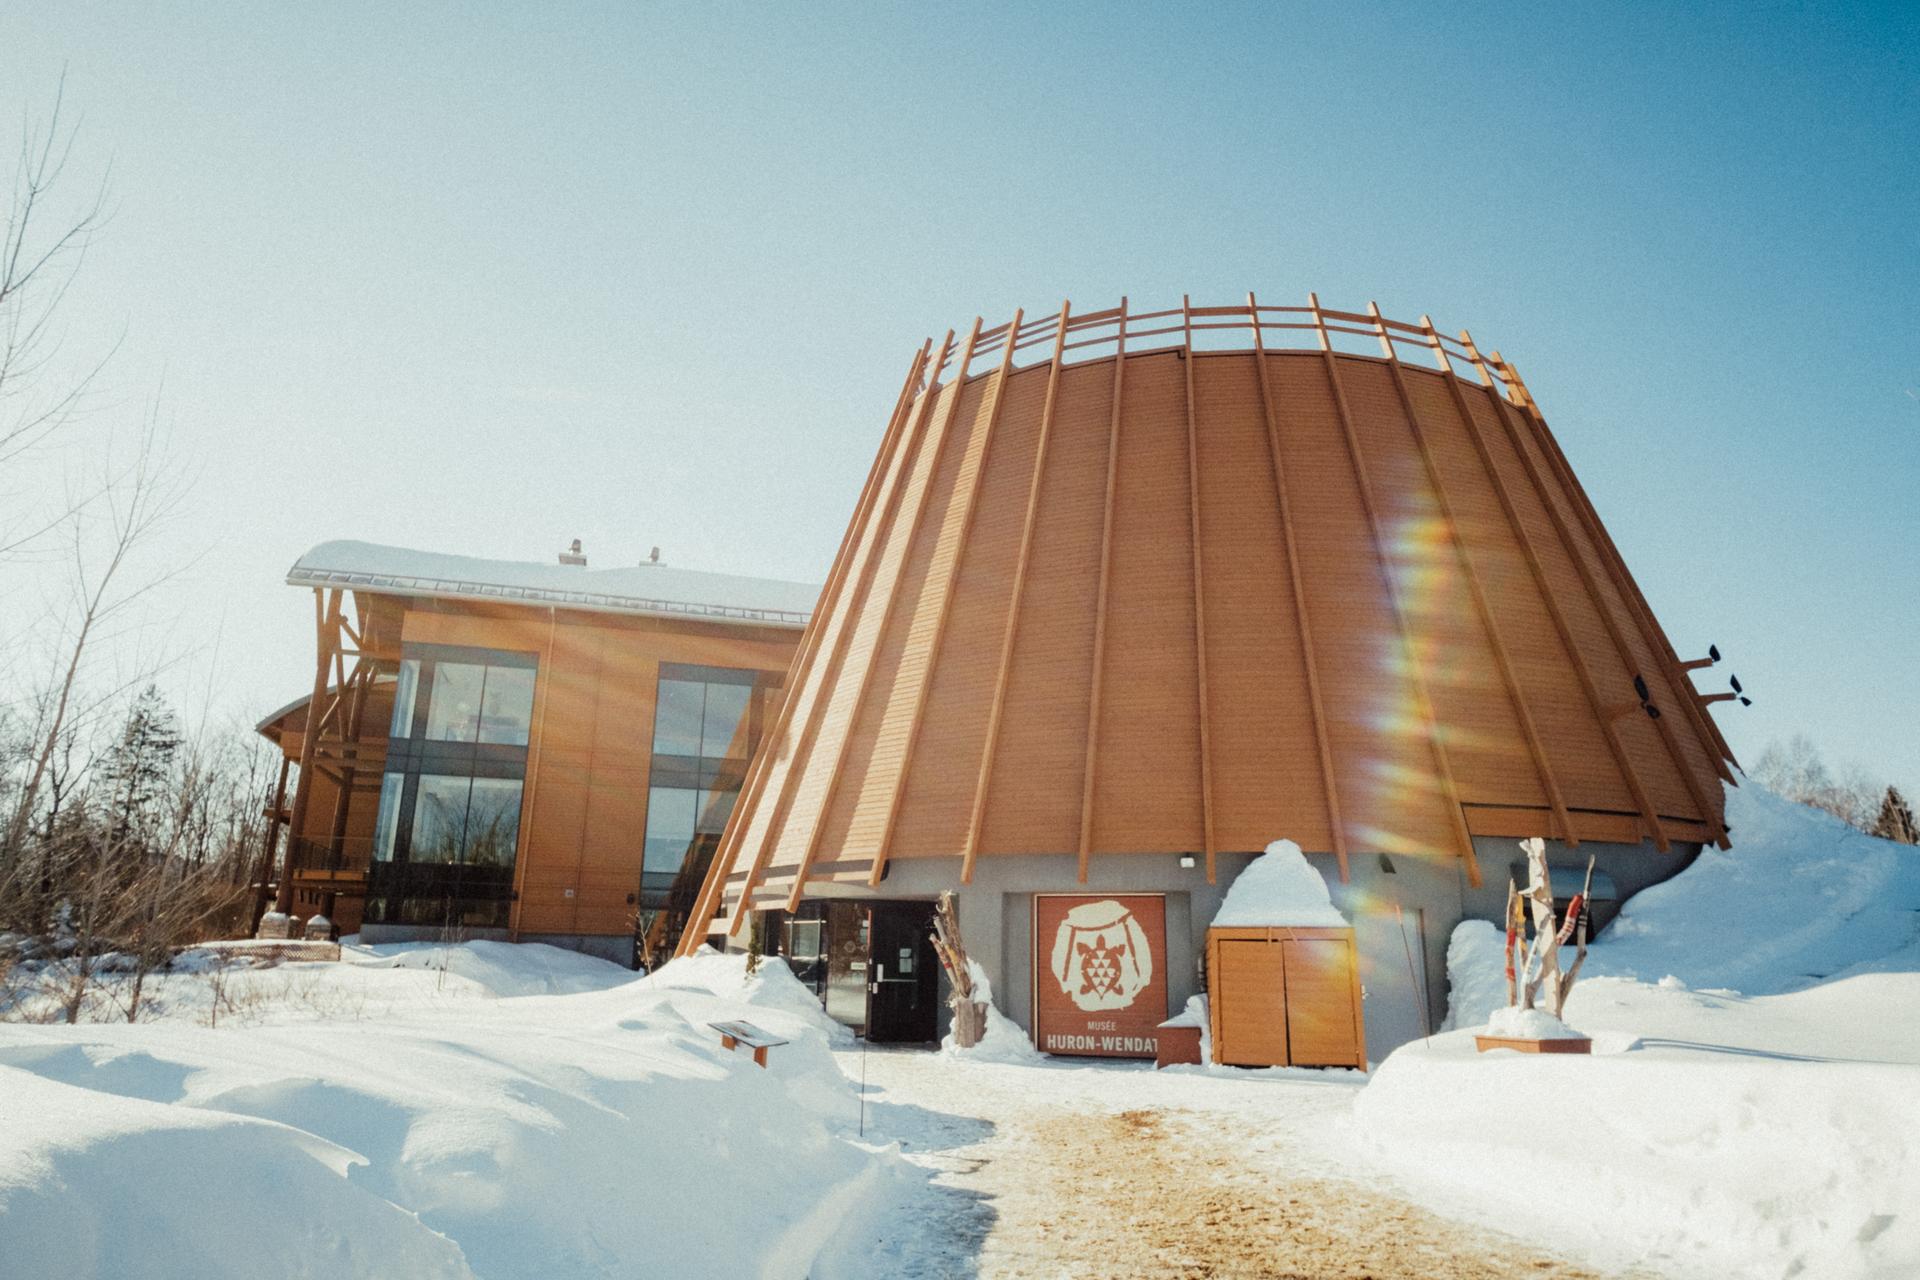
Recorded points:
1282,997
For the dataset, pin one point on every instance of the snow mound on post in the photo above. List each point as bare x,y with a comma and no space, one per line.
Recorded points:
1004,1041
1279,888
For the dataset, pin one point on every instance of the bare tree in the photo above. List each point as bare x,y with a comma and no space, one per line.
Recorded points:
46,241
136,501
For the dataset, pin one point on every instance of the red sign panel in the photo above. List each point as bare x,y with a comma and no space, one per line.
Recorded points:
1099,973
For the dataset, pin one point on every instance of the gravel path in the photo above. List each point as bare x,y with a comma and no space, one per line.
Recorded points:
1118,1171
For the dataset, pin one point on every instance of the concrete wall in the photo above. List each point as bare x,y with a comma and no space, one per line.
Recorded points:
1403,957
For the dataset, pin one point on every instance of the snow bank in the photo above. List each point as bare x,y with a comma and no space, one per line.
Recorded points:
499,968
1800,897
1682,1162
770,986
1004,1041
1712,1133
531,1136
1279,887
89,1187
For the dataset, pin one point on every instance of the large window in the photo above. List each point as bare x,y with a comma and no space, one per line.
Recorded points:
706,723
449,825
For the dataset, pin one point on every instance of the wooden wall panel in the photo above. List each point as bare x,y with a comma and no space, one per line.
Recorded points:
1645,749
1588,773
908,606
1033,796
1461,579
1388,786
939,791
1267,782
1147,794
1482,732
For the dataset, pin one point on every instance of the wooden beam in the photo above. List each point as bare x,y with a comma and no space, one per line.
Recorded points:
760,768
1087,782
1623,761
269,846
1199,588
326,629
1602,710
970,849
1476,585
998,393
1449,790
1330,786
1616,566
886,527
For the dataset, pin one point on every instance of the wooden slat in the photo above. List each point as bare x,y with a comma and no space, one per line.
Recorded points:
1199,592
1090,781
1331,788
882,847
970,849
1616,566
935,442
1623,760
1602,710
761,769
1476,585
1416,675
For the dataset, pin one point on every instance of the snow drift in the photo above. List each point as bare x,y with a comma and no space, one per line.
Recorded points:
1764,1131
515,1136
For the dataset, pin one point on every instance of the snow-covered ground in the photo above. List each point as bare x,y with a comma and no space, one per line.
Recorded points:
419,1112
519,1111
1753,1100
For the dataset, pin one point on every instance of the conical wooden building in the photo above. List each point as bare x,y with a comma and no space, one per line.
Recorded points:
1186,581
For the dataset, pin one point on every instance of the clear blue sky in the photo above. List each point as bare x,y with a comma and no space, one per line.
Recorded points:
487,278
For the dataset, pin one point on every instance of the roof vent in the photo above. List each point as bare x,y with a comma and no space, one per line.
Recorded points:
653,556
574,556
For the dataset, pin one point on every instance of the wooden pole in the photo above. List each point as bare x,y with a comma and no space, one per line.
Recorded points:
970,849
326,639
1476,587
1199,589
1330,787
1090,779
1416,675
912,529
1622,759
925,411
269,845
883,848
713,891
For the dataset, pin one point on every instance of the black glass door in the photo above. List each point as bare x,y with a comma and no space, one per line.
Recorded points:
903,979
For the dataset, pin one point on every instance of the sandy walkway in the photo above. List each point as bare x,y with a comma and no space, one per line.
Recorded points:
1060,1170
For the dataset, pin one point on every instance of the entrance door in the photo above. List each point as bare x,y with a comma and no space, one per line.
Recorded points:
903,979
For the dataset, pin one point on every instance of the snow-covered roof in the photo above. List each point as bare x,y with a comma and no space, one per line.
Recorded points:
653,589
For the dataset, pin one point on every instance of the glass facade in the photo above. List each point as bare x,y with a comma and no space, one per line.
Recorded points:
448,831
706,723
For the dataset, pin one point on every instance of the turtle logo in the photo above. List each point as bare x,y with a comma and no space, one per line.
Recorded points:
1101,957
